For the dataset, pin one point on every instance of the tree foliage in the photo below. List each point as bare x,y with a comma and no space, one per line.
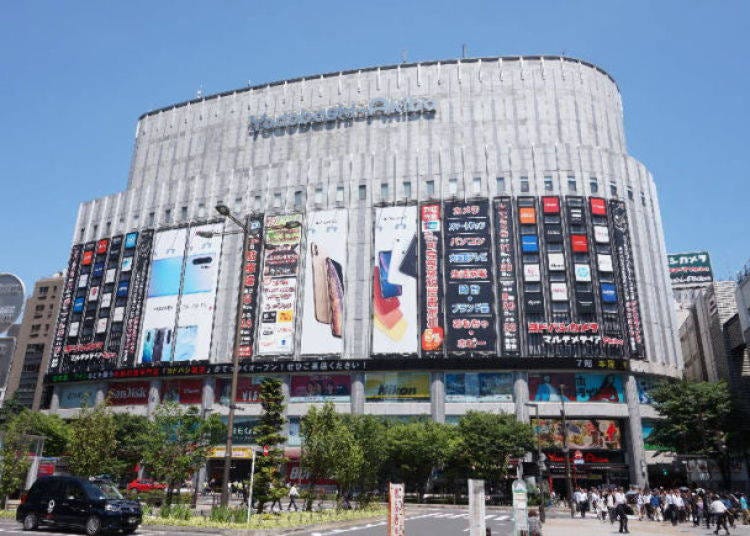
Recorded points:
14,459
695,416
55,430
268,484
177,442
92,444
130,433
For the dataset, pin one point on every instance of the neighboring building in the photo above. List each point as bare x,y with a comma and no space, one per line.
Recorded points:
31,356
424,239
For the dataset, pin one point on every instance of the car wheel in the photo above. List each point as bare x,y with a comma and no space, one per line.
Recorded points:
93,526
30,522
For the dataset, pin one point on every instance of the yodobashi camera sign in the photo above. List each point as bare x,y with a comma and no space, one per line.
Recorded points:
11,299
377,107
693,268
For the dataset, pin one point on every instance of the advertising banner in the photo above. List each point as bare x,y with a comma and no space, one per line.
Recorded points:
251,257
278,305
200,273
66,305
470,299
183,391
248,390
321,388
243,430
163,293
479,387
431,275
626,267
78,396
645,386
397,386
545,387
138,269
294,437
507,272
128,393
579,339
687,269
583,434
323,311
599,388
394,281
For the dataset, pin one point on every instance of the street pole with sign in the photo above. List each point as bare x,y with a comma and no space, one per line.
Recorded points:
566,451
540,461
520,507
477,523
250,495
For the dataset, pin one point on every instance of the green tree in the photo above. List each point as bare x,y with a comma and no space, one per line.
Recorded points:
695,416
14,459
92,445
369,432
56,431
415,449
487,442
130,433
268,484
177,442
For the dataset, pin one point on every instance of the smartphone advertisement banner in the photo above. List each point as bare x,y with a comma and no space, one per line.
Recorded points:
278,306
250,279
137,270
470,300
431,275
195,317
510,342
478,387
160,309
397,386
323,310
321,388
68,293
394,281
626,267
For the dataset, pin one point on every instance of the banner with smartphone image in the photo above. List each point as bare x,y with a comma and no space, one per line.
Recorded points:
394,281
278,304
192,341
323,308
162,295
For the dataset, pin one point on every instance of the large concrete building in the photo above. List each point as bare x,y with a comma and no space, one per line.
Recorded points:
34,342
529,204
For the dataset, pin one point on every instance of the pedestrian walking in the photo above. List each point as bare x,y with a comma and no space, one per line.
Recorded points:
621,507
293,494
719,509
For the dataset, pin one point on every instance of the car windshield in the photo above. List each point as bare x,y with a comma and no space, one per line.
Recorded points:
101,490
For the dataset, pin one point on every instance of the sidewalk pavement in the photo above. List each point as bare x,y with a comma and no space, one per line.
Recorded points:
561,526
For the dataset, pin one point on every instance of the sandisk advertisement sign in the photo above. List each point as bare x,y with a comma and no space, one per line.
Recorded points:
128,393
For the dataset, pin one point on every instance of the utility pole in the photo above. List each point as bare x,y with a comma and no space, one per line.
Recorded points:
539,462
566,451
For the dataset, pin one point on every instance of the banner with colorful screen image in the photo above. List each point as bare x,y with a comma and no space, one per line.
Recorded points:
321,388
394,281
278,303
397,386
179,308
323,308
470,299
582,434
478,387
432,336
545,387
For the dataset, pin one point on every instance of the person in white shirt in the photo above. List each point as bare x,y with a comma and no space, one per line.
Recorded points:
670,512
719,509
621,504
611,506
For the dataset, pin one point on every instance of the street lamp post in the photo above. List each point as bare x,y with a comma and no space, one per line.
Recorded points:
542,517
224,211
566,451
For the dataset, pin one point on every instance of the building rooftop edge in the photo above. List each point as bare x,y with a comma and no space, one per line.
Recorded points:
368,69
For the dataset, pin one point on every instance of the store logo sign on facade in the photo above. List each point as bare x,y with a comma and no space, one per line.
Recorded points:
377,107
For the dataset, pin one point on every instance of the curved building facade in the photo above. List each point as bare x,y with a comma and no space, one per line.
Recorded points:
423,239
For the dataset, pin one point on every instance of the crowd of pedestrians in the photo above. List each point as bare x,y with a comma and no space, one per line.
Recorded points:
697,506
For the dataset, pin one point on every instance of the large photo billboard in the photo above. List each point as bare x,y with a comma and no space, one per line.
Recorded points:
478,387
323,308
278,304
470,299
394,281
397,386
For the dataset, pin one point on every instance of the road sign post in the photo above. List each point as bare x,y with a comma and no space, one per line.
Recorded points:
396,510
477,526
520,507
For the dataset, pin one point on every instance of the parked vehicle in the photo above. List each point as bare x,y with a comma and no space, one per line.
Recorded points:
145,484
75,502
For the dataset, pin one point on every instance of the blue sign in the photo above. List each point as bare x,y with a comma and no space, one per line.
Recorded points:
609,292
529,244
98,269
122,288
599,388
130,240
78,305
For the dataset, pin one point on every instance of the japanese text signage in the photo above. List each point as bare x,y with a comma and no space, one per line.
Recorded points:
433,333
250,274
686,269
506,274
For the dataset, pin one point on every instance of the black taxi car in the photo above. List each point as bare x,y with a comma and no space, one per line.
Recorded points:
74,502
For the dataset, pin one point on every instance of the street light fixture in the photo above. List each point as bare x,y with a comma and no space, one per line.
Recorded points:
224,211
566,451
542,517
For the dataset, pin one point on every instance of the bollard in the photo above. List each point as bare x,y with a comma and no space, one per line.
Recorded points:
488,531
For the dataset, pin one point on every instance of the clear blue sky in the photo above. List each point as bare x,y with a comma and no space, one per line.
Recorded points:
76,75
